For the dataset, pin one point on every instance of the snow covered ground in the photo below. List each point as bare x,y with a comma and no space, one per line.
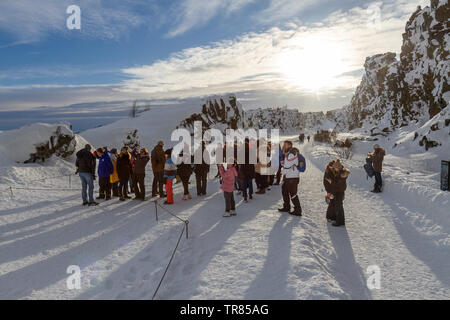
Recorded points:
122,250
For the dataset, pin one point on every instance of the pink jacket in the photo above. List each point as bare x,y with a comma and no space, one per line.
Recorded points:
228,178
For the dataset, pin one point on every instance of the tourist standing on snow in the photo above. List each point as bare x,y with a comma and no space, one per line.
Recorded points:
184,170
170,173
105,169
158,161
228,178
201,171
377,163
114,178
280,160
140,163
335,183
124,172
85,164
291,179
247,173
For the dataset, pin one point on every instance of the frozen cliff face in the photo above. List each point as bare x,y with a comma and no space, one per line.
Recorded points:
38,142
218,112
394,93
424,61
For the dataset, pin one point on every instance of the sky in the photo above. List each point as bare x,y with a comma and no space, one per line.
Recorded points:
306,54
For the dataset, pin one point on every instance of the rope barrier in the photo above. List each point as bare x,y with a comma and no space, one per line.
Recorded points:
185,228
170,261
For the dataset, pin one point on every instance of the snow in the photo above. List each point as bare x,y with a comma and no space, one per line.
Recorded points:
122,250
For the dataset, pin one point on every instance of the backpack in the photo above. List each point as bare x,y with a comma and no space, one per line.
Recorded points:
369,168
301,167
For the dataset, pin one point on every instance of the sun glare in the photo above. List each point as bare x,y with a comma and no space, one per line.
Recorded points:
313,65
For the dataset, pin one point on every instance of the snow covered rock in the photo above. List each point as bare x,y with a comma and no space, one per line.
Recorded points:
393,93
290,120
218,112
38,142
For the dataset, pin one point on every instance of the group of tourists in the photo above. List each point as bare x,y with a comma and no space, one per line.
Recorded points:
122,173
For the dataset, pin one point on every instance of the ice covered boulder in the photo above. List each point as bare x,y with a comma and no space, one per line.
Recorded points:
38,141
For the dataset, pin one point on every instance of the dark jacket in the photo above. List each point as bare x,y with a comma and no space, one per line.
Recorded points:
158,159
124,166
86,162
105,166
202,168
338,181
246,170
140,163
377,159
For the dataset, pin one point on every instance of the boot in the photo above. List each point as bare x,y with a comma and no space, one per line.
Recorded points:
261,191
184,198
245,199
296,212
227,214
284,209
189,196
250,196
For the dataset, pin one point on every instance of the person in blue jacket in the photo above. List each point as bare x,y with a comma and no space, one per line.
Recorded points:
105,169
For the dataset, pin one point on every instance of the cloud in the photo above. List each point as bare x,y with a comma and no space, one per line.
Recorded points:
279,10
193,13
30,20
319,58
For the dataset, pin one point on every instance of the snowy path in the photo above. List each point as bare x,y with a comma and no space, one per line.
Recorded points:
261,254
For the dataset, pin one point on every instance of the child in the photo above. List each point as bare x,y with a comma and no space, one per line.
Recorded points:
228,178
170,173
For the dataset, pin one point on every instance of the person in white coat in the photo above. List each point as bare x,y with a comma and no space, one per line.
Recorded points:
291,179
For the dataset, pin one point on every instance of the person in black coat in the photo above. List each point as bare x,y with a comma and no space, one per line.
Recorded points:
86,163
124,171
184,171
335,183
201,171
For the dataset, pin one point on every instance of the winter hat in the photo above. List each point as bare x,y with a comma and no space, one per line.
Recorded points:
338,165
377,146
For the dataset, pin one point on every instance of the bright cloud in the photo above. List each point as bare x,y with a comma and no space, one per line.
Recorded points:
315,58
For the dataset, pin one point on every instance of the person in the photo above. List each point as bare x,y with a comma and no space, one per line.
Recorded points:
140,163
85,164
247,173
201,171
377,163
261,171
280,160
185,170
114,178
335,183
228,178
124,171
309,138
134,155
158,161
170,172
291,180
105,169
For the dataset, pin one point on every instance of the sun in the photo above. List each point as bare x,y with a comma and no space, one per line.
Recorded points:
313,64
